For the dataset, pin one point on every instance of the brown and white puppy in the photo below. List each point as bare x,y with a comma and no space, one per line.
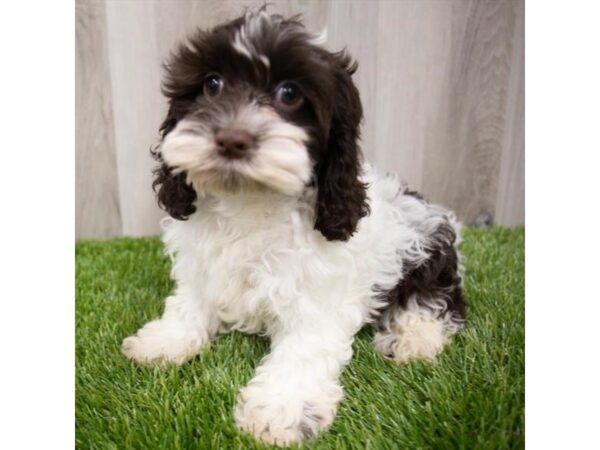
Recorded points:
278,226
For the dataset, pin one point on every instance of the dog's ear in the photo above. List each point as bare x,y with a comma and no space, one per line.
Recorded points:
341,196
173,193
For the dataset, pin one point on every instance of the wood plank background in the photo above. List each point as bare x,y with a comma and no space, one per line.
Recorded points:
442,83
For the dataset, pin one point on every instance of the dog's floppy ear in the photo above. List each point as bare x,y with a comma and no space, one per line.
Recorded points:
173,192
341,196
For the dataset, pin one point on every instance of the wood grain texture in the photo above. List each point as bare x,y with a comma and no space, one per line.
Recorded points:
137,108
96,185
461,167
441,82
413,55
344,21
510,196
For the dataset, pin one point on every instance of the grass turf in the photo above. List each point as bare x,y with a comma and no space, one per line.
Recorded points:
472,397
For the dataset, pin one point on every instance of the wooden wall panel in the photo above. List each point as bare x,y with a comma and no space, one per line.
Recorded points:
137,108
441,82
510,197
413,55
461,167
96,185
347,25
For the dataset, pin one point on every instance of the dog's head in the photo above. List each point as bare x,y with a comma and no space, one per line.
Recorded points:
257,104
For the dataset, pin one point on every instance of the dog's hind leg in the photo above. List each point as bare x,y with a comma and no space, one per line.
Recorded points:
427,306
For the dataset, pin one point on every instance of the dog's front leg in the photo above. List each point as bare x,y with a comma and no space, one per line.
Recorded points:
295,391
184,329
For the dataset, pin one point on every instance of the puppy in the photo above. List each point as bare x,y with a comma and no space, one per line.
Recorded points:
278,227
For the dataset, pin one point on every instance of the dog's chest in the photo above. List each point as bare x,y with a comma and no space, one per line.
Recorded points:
250,266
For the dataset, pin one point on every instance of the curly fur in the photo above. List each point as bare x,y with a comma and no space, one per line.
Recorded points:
298,238
342,199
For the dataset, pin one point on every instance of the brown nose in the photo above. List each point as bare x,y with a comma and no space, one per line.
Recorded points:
233,143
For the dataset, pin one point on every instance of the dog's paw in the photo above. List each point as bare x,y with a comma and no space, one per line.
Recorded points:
162,341
417,338
282,418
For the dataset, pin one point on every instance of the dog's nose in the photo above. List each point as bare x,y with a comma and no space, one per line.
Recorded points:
233,143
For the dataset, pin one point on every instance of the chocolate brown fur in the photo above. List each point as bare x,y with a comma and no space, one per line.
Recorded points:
331,114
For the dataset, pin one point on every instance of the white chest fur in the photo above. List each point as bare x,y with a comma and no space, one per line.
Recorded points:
258,262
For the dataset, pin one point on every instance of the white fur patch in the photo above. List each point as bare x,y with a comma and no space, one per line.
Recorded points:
175,338
416,332
265,61
280,161
295,392
254,24
319,39
413,336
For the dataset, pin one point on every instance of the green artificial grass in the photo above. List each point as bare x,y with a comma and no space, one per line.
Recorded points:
471,398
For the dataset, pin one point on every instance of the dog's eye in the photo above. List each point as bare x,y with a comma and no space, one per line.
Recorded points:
288,97
213,85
